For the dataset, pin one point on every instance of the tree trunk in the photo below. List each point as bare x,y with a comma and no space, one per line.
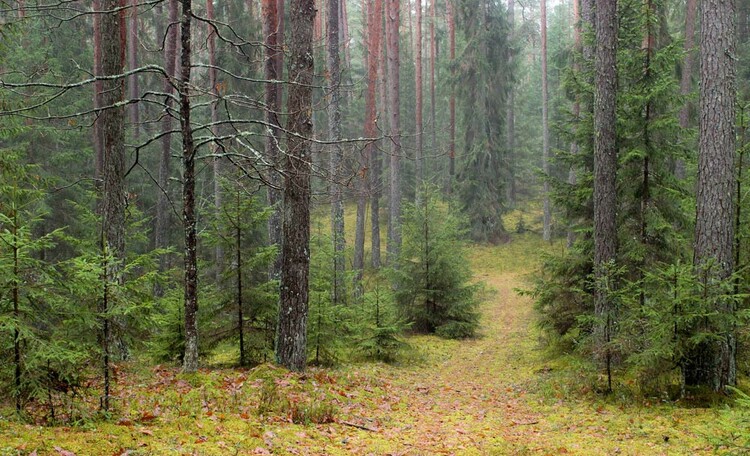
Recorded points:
572,176
452,102
394,199
291,343
215,93
687,76
605,174
272,69
163,207
713,362
16,298
511,112
336,155
190,361
98,91
377,161
418,108
133,90
240,271
374,31
433,61
547,221
112,201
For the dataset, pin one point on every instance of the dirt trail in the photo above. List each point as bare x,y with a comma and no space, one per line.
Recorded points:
483,397
474,400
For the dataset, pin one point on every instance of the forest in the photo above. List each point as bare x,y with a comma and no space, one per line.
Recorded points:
376,227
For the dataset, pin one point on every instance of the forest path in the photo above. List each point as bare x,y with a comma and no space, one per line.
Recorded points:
501,394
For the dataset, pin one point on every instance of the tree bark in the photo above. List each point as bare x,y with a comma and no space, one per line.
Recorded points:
547,220
433,62
291,343
368,178
336,153
112,201
687,76
215,93
273,71
511,112
713,363
377,161
190,361
418,96
572,176
98,90
133,89
605,174
163,207
452,101
394,199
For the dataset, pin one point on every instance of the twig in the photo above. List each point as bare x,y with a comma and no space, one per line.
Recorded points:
359,426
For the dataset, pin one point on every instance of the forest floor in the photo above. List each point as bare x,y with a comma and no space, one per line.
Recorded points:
501,393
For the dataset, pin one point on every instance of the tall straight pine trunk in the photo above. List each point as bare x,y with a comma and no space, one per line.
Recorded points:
605,177
368,177
336,152
291,342
686,79
712,363
190,360
273,72
112,200
394,197
163,209
213,81
418,98
547,216
452,101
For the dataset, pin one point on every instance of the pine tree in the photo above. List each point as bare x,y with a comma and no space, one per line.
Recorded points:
431,281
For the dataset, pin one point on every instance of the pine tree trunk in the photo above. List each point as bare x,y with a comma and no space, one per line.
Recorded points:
452,101
572,176
240,271
16,298
713,363
336,154
687,76
369,182
394,198
272,71
163,208
418,108
190,361
98,90
376,158
133,90
112,201
214,83
605,174
547,221
511,111
433,63
291,343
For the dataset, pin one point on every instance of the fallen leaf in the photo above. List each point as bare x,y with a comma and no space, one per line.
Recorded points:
62,452
147,431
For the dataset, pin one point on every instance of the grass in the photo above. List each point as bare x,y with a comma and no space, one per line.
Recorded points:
500,393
